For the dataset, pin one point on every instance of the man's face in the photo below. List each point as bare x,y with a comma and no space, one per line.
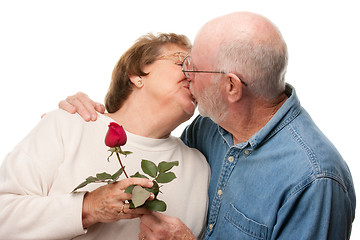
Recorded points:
206,87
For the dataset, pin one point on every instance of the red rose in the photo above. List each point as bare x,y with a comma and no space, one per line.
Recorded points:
115,136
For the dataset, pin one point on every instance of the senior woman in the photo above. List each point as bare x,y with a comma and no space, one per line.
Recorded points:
149,96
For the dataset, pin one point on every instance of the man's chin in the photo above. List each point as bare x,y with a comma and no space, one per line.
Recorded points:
202,112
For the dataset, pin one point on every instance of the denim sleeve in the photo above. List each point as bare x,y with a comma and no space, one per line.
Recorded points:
320,210
189,135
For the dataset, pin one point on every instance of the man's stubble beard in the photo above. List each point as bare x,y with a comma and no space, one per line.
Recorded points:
211,104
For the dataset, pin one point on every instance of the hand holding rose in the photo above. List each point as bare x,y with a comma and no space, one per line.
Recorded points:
107,203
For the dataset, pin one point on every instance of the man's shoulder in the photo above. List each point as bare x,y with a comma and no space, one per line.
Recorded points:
201,126
316,153
199,133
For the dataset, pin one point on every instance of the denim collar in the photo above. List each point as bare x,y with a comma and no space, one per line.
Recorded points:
286,114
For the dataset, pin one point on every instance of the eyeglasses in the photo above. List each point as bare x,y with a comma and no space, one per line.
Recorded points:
189,72
178,56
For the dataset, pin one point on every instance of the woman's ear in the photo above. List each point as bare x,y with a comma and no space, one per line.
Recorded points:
233,87
137,81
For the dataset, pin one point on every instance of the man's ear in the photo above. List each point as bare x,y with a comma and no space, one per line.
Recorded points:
137,81
234,87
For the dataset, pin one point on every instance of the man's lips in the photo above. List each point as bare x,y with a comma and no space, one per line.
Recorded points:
186,84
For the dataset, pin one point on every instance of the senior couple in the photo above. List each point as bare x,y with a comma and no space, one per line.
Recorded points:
274,175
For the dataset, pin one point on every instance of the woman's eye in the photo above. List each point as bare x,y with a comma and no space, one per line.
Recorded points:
180,64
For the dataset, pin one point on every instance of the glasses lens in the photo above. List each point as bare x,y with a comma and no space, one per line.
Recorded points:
187,66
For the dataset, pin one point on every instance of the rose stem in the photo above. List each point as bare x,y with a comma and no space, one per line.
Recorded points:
118,156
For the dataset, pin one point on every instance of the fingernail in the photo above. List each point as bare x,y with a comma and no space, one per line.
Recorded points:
150,184
93,117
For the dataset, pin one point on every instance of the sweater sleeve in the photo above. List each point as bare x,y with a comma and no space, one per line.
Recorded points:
27,210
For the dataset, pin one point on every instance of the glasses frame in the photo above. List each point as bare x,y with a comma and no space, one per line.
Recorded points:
202,71
180,55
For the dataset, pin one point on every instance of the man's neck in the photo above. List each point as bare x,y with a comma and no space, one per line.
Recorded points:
250,117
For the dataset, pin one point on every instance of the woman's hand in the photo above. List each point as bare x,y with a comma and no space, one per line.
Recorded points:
107,203
158,226
83,105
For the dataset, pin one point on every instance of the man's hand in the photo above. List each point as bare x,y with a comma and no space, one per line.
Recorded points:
83,105
162,227
107,203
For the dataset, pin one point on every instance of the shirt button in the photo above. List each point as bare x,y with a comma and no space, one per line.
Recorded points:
247,152
220,192
231,159
211,226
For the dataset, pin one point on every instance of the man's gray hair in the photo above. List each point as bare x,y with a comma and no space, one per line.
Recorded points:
262,65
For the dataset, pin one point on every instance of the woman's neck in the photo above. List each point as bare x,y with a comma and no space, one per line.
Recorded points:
146,118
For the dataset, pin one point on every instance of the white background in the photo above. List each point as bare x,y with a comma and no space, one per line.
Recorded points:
52,49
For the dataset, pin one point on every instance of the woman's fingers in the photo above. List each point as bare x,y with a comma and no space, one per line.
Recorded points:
144,182
107,203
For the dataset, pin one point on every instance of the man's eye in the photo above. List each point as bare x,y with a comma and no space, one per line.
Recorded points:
180,64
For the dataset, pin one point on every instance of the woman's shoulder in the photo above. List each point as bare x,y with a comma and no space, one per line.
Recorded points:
64,122
64,118
61,115
189,152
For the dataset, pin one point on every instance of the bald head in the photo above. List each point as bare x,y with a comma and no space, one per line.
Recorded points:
243,26
248,44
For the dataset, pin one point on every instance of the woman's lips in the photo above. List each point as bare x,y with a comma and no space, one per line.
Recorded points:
186,84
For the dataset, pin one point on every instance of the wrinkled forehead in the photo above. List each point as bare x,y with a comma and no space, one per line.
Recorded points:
201,55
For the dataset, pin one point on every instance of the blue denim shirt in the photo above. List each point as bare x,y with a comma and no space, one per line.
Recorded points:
286,182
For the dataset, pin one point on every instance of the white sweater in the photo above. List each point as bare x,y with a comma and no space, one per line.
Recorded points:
37,177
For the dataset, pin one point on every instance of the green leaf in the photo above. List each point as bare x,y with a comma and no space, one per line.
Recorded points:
116,175
139,196
91,179
149,168
112,150
166,166
156,205
87,181
165,177
103,176
81,185
131,204
138,175
129,189
125,153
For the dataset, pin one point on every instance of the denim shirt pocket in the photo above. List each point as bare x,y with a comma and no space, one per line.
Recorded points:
245,225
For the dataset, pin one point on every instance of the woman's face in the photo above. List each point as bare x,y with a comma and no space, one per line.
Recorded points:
167,84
